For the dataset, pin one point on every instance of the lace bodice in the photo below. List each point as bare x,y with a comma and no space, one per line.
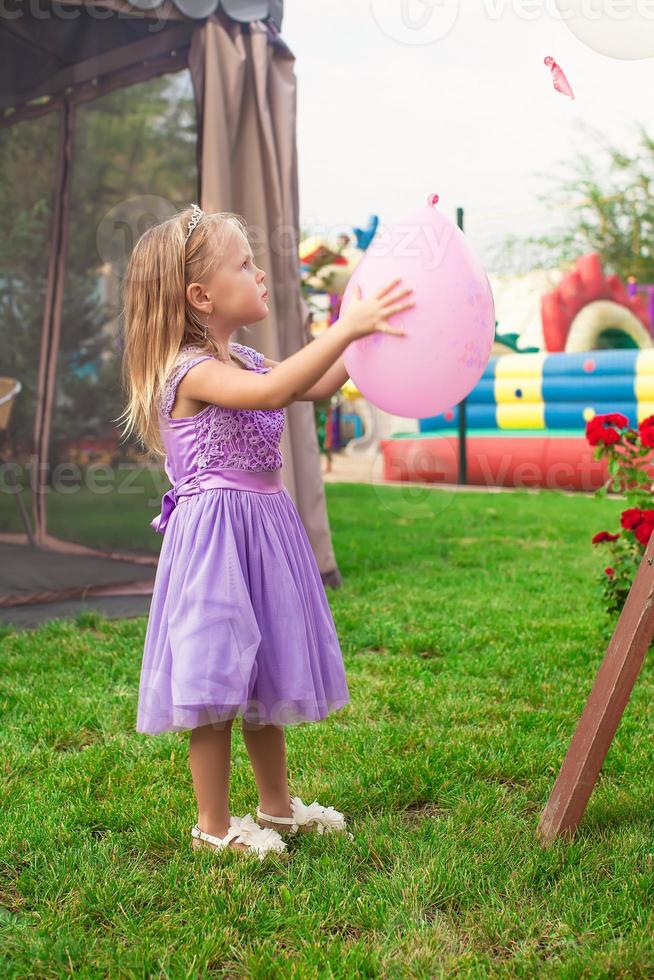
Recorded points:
222,437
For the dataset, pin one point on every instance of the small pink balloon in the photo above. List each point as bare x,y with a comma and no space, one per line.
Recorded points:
449,331
561,83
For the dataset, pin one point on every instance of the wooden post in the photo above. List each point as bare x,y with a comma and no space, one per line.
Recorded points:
600,718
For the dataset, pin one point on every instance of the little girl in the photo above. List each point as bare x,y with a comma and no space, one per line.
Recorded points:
239,621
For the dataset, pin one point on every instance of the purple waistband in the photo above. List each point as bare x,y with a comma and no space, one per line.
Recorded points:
256,481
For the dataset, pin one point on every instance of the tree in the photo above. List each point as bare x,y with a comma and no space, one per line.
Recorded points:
607,207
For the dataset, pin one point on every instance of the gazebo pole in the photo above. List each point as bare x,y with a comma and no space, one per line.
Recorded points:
51,329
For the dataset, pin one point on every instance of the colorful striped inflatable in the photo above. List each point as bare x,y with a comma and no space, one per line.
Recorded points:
556,391
526,420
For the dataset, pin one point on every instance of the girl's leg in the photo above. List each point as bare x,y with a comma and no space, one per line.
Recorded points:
266,747
209,759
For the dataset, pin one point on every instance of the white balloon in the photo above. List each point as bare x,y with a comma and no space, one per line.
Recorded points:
622,29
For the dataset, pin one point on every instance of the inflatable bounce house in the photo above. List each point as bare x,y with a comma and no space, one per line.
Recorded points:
525,419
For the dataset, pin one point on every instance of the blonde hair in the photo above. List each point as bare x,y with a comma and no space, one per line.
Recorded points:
157,316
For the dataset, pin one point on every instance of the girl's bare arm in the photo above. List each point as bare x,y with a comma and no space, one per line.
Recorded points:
217,383
331,381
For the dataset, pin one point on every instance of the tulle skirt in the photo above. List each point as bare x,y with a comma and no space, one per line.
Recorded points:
239,622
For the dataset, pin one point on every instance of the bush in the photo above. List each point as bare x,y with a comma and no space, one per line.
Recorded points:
626,450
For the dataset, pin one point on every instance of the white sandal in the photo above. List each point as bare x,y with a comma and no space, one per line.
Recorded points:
244,830
323,818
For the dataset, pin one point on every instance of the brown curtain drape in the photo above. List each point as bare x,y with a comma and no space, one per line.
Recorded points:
245,89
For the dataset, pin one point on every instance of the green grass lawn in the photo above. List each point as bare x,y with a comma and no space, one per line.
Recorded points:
472,629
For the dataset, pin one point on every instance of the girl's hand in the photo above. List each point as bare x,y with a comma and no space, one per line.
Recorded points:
365,316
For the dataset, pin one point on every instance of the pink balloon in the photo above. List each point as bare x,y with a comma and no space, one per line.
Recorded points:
450,330
561,83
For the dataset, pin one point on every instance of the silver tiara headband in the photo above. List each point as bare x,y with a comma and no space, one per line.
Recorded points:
197,215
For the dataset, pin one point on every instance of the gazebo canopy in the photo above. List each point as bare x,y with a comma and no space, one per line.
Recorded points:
42,55
61,62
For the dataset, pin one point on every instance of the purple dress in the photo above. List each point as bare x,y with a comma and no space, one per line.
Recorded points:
239,621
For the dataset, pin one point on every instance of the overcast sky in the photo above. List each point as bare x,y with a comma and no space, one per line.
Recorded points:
471,115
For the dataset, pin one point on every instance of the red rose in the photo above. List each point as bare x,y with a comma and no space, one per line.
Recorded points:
610,571
593,431
593,436
631,518
646,431
644,532
604,536
598,429
641,522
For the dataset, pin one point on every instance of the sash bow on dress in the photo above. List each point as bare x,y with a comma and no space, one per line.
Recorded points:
258,481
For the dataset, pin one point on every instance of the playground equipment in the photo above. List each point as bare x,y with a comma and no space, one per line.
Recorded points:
556,391
527,419
591,311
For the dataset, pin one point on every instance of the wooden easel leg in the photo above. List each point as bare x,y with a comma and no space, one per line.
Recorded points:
601,716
